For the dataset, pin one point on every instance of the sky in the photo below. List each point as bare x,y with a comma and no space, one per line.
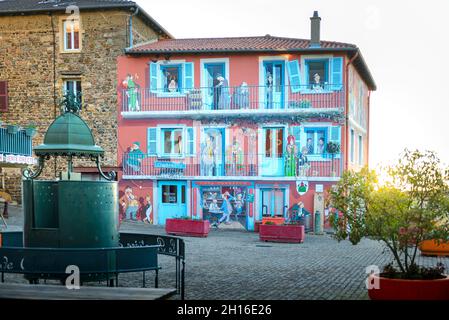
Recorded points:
404,43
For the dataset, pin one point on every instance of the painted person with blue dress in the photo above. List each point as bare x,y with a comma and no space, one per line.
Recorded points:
226,208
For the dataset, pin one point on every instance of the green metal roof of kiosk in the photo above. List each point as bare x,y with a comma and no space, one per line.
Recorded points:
68,135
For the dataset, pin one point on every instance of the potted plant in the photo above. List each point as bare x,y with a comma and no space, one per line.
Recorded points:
287,232
332,148
274,220
30,130
401,213
12,128
185,226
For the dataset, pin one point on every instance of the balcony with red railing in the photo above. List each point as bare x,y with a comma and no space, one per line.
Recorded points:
231,101
230,167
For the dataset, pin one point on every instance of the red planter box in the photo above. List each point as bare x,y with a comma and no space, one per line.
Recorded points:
257,226
184,227
398,289
281,233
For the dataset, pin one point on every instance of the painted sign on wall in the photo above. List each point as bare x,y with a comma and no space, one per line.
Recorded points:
16,159
302,187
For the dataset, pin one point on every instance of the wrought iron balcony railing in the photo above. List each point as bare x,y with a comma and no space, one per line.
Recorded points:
325,97
236,165
15,142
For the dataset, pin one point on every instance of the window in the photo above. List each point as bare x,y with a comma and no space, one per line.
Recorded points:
316,140
171,78
352,145
317,72
3,95
71,35
323,74
73,87
360,150
169,194
274,142
172,141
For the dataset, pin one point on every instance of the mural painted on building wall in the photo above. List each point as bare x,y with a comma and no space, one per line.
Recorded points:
135,207
357,97
224,205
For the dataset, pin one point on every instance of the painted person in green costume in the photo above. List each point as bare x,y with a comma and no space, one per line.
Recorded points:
131,92
290,157
135,157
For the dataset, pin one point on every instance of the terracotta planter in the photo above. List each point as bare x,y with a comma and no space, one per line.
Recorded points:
281,233
399,289
276,220
184,227
432,248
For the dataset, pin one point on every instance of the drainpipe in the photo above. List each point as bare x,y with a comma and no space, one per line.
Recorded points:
347,108
130,24
368,127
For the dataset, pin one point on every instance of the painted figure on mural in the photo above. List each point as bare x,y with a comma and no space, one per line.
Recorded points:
172,85
222,96
208,154
309,146
291,157
235,159
317,86
134,158
303,162
239,203
226,208
321,148
296,213
241,97
213,207
269,90
148,210
129,204
131,93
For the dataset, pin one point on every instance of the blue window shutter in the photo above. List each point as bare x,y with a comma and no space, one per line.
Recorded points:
334,134
152,141
188,76
337,73
190,141
294,75
153,76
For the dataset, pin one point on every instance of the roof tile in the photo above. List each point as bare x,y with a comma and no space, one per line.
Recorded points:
264,43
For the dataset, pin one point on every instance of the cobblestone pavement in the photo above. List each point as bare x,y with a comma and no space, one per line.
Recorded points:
234,264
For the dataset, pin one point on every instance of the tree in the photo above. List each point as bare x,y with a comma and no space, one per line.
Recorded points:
411,207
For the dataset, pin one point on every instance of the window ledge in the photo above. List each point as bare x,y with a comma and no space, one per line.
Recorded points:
171,156
310,91
71,51
170,95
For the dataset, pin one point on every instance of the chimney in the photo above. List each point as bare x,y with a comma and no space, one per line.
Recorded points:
315,30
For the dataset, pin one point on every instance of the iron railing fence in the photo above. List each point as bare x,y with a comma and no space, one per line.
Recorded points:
284,97
232,165
16,143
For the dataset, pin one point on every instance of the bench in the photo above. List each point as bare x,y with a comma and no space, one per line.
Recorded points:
53,292
96,264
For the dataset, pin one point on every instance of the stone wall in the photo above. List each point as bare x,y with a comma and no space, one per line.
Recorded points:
35,68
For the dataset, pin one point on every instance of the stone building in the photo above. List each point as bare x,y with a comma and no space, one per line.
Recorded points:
49,48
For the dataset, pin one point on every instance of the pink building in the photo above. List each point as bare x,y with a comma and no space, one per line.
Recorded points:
237,129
